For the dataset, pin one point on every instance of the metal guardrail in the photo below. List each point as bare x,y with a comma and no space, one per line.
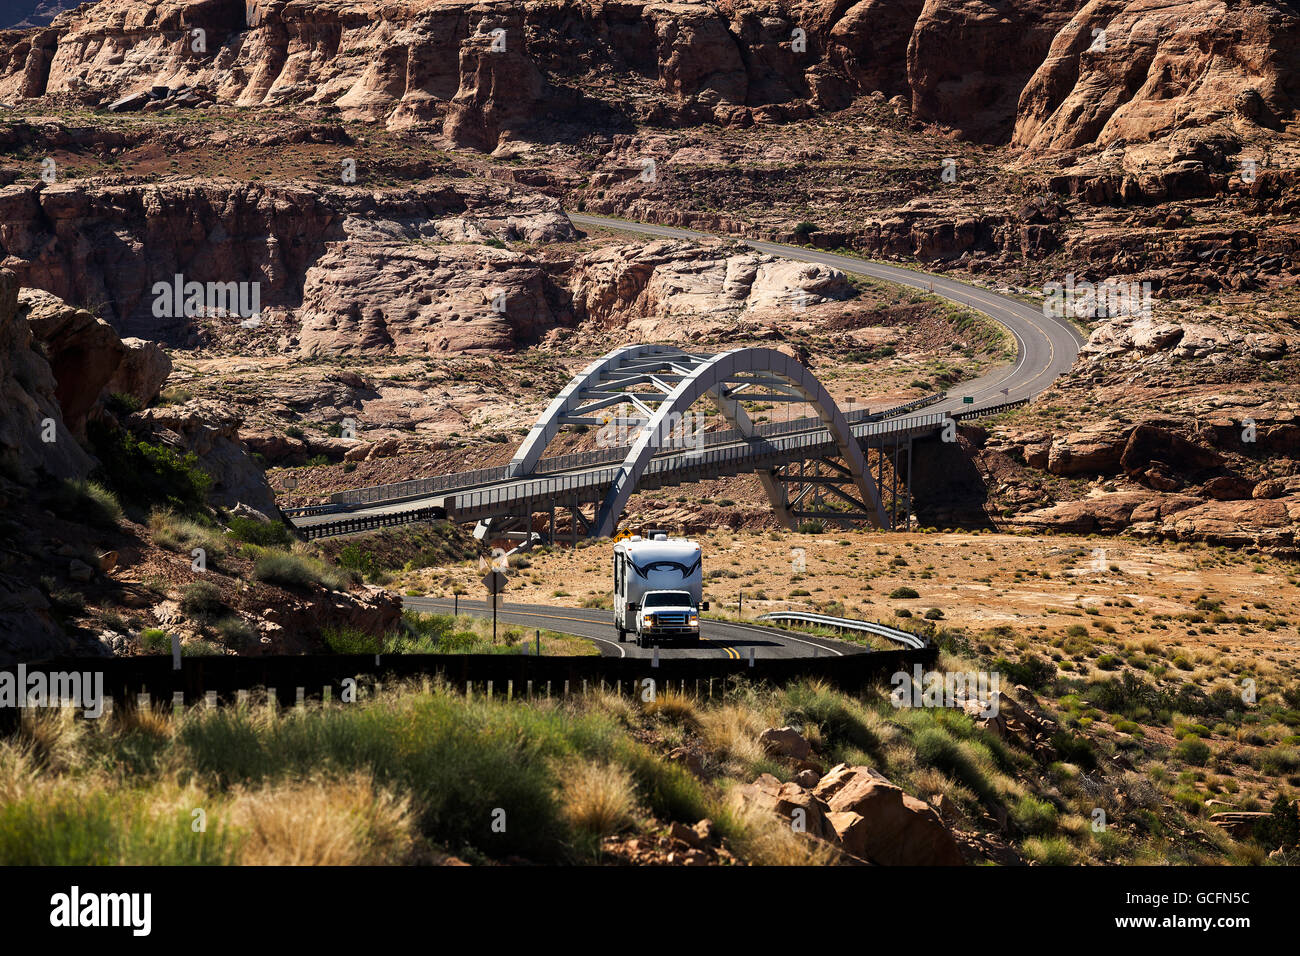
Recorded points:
906,638
373,522
986,410
307,511
585,486
219,680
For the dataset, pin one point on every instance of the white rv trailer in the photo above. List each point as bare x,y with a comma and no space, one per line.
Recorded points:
658,586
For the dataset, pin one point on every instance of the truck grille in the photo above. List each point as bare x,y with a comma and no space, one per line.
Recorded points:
670,619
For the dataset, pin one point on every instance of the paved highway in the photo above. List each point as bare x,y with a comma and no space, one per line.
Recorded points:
717,638
1046,347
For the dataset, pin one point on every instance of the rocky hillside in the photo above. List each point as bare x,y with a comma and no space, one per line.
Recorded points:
1035,72
107,501
344,269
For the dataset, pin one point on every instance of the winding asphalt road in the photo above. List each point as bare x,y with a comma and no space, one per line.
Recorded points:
1046,347
717,638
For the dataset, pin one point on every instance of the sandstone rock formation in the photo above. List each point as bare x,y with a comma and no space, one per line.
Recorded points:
375,292
111,244
1028,69
89,361
659,284
859,811
33,435
877,821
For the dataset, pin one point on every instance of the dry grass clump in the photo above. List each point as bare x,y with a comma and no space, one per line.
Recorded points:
598,799
674,707
762,838
321,822
732,731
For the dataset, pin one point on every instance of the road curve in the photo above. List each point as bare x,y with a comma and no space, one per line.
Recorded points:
717,638
1046,347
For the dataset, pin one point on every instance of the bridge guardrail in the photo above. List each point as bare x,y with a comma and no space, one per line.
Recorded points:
580,483
423,487
373,522
310,510
906,638
985,410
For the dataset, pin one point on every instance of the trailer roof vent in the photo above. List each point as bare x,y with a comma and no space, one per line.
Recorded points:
660,536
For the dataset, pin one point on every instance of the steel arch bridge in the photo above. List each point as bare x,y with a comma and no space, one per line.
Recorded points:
662,383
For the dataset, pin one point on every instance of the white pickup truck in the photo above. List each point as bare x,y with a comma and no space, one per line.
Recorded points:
658,585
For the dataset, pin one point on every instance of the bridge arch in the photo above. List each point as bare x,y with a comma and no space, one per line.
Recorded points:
717,376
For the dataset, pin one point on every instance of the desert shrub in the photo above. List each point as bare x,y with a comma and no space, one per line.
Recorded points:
1282,828
1034,672
1193,750
1034,816
87,502
147,474
202,600
598,799
1050,851
804,230
936,747
354,558
903,594
267,534
349,640
177,533
1075,750
155,641
293,571
121,404
236,632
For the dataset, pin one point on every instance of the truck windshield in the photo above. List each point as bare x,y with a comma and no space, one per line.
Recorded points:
667,599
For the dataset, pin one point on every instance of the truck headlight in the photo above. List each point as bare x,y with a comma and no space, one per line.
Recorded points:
693,620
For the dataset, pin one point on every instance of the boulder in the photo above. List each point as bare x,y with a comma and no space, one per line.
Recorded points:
784,799
210,430
1269,488
784,742
143,370
1085,453
1240,823
83,351
876,820
29,404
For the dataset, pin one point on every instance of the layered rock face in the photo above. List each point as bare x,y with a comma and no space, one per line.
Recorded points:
1124,71
425,286
113,245
1027,69
657,286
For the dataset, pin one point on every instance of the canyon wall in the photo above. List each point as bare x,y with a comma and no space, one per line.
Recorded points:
1030,72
